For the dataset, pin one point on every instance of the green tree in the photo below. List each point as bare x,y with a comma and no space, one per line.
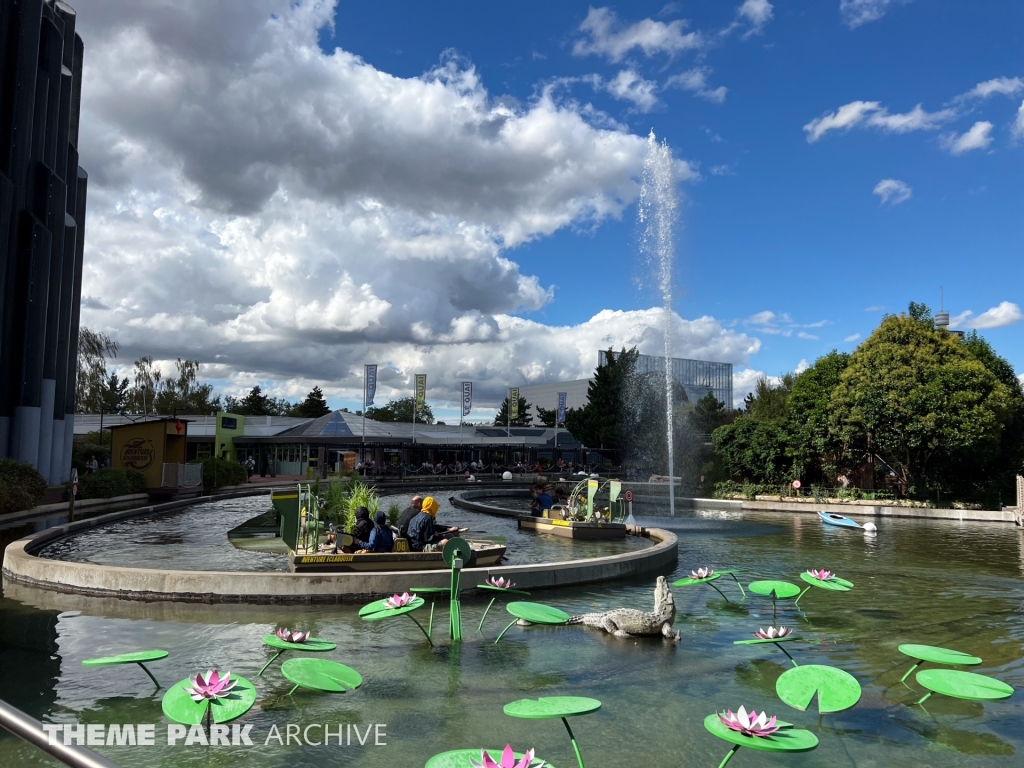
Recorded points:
547,417
524,419
93,351
920,400
754,449
401,410
709,413
598,424
114,395
768,400
255,403
145,383
185,394
313,407
818,452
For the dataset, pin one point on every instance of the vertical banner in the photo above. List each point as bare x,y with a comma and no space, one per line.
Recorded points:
513,403
369,384
560,418
467,397
421,389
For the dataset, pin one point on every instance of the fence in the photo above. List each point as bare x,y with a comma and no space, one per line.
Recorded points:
182,476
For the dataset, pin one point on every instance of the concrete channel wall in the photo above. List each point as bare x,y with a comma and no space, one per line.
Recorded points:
22,565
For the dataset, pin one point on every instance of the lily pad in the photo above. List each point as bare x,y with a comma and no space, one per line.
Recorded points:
313,645
936,655
552,706
460,758
431,590
758,641
786,739
321,675
690,581
837,690
126,658
833,585
537,613
963,685
179,706
379,610
509,590
780,590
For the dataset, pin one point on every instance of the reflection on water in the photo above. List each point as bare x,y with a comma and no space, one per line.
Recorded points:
939,583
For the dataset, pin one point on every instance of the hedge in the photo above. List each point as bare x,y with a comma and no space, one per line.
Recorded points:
21,487
220,472
108,483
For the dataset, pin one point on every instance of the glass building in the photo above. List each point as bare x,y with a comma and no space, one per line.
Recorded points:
697,377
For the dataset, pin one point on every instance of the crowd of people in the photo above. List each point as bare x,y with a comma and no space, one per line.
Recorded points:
417,524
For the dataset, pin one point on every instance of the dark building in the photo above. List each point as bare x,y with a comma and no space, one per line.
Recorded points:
42,228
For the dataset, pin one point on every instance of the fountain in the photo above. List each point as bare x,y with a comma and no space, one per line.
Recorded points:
657,215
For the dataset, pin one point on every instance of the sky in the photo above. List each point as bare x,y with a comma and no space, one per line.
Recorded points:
288,190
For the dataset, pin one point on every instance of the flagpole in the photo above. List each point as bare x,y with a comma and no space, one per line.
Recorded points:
363,446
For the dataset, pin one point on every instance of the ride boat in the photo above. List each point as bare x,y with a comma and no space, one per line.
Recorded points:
831,518
581,518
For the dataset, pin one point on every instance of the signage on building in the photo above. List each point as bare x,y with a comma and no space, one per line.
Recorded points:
226,422
421,389
370,381
560,419
467,397
513,403
138,454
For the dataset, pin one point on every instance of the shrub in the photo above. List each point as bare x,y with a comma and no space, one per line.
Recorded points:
220,472
82,451
727,489
21,487
110,482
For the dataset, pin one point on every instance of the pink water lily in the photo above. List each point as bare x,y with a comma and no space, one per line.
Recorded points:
399,601
499,582
212,686
508,760
773,633
752,724
292,637
702,573
821,575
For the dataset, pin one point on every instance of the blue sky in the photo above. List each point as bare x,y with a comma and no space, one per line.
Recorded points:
844,158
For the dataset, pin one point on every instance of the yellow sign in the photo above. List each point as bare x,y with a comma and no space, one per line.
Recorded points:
513,403
421,389
325,559
138,454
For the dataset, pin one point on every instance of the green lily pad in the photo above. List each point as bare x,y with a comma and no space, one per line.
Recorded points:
780,590
537,613
460,758
511,591
833,585
963,685
179,706
321,675
379,609
126,658
937,655
837,690
786,739
313,645
689,580
431,590
552,706
758,641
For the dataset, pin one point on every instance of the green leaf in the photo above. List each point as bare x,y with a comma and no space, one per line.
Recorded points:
460,758
963,685
552,706
321,675
688,581
537,613
758,641
179,706
937,655
126,658
837,690
379,610
493,588
781,589
786,739
832,585
313,645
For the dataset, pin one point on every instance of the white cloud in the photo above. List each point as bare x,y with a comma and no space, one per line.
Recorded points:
605,35
873,114
955,321
744,381
978,137
695,80
852,337
1005,86
630,86
285,215
802,366
1007,313
757,13
857,12
892,191
1018,123
1021,378
874,309
808,336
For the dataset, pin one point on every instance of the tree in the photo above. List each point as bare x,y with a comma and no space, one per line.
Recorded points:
818,452
920,400
401,410
186,394
145,381
524,419
754,449
598,424
93,350
114,395
547,417
768,400
709,413
255,403
314,406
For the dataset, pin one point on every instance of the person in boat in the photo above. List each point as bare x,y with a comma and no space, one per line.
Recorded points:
381,538
423,536
414,508
363,527
541,501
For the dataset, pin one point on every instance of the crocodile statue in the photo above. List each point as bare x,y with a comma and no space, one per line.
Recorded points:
628,622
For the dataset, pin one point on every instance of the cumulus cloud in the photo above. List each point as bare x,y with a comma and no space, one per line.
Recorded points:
1005,86
696,81
1007,313
852,337
605,35
802,366
744,381
857,12
757,13
978,137
285,214
873,114
1018,123
630,86
892,191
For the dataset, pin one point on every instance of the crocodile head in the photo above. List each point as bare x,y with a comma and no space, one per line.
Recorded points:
663,597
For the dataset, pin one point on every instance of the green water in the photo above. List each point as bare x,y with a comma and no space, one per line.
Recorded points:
938,583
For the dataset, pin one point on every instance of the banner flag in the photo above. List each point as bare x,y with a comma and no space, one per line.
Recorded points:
513,403
421,389
467,397
370,384
560,418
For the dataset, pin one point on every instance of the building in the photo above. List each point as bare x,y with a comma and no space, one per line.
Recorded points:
42,228
697,377
546,395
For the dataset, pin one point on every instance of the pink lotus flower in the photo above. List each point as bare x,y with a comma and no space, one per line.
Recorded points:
749,725
773,633
499,582
702,573
399,601
821,575
213,686
292,637
508,760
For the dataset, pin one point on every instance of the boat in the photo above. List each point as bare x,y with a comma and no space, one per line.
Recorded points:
485,554
572,529
832,518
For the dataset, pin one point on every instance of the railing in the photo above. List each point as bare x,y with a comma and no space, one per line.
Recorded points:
181,476
31,730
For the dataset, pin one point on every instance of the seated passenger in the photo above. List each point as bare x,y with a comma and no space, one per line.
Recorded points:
381,537
541,501
414,508
423,537
363,527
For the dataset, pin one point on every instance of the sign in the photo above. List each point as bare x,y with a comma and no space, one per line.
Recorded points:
138,454
628,496
74,481
796,484
467,397
421,389
513,403
560,418
369,384
227,422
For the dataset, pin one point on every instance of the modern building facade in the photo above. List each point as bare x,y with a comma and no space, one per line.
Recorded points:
42,228
697,377
546,395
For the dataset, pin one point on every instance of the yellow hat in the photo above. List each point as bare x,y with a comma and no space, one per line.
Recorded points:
430,506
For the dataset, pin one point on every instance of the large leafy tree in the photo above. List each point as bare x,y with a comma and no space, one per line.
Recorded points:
93,351
524,419
818,452
598,424
256,403
401,410
920,400
546,416
186,393
314,406
754,449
